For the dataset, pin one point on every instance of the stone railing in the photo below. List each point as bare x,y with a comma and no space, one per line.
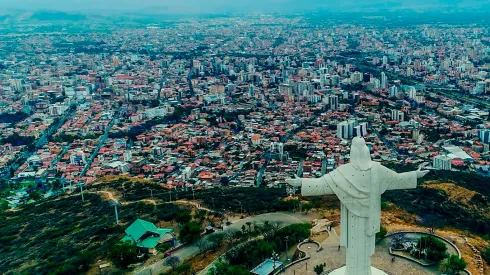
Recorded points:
422,233
306,256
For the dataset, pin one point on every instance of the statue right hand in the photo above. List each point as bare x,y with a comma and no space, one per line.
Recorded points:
296,182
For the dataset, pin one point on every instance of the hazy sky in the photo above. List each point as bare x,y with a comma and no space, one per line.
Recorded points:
205,6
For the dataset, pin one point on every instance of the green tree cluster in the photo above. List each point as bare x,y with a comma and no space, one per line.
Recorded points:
486,255
251,254
296,233
436,249
318,269
225,268
453,264
123,253
190,232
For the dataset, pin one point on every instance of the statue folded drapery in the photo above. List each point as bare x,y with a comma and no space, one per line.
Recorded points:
359,186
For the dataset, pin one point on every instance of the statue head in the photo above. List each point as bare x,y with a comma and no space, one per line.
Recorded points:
360,157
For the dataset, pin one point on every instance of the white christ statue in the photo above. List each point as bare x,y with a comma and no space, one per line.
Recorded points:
359,185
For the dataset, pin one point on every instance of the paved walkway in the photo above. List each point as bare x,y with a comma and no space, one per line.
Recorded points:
335,258
191,250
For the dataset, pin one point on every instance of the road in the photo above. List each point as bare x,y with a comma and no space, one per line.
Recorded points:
192,250
60,155
40,142
102,139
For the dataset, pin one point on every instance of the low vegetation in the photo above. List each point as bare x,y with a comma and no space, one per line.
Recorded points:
66,236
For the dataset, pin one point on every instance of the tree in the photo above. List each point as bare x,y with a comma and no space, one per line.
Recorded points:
183,269
318,269
244,228
486,255
435,249
172,261
183,217
382,232
217,239
250,254
249,224
232,236
453,264
200,215
307,207
222,267
123,253
295,233
203,245
190,232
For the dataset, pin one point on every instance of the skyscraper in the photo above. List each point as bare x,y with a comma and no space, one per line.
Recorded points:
333,102
343,130
484,135
442,162
384,80
397,115
360,130
412,92
251,90
385,60
356,77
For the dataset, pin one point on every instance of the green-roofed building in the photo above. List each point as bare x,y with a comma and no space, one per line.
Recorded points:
147,236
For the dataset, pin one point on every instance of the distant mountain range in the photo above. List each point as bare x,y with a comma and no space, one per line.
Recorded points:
191,7
41,16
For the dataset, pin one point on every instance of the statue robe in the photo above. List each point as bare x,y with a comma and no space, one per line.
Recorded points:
360,194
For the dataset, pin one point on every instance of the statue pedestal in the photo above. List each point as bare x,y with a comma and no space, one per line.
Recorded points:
341,271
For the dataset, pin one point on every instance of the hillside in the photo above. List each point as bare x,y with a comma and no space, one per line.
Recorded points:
67,236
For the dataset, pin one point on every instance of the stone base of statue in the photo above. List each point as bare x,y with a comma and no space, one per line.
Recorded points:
341,271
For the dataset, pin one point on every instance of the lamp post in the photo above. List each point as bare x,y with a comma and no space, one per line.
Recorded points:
275,256
81,191
286,239
115,203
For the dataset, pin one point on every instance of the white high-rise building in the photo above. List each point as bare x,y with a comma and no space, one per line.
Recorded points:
17,84
442,162
385,60
360,130
128,156
397,115
335,80
484,135
280,149
479,88
393,91
356,77
333,102
384,81
412,92
343,130
346,129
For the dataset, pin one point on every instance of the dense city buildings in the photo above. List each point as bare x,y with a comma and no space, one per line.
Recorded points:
200,103
197,105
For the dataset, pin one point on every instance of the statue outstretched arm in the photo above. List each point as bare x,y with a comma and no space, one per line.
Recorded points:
312,186
391,180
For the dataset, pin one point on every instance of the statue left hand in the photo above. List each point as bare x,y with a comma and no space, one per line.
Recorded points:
296,182
420,172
